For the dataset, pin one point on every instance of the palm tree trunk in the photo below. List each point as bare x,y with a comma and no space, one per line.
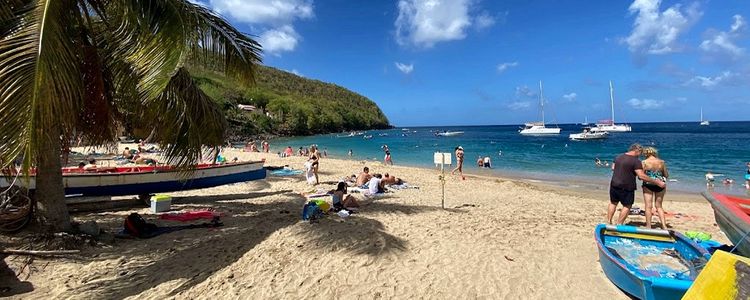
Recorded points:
50,192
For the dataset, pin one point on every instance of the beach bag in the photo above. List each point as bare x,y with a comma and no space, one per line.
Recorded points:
136,226
311,211
323,205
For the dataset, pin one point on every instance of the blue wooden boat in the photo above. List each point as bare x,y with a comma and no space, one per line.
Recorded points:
649,263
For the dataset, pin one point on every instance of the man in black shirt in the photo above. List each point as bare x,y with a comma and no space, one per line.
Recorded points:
622,187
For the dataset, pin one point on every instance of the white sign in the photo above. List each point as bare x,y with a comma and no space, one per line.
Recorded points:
442,158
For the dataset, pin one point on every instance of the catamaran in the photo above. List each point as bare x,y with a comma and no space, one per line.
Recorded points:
539,128
704,122
609,125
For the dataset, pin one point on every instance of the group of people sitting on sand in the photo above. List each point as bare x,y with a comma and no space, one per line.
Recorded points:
135,156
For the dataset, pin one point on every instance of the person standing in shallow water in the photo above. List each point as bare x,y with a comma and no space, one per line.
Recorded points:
459,162
625,169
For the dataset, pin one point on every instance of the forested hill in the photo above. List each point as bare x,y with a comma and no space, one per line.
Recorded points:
287,104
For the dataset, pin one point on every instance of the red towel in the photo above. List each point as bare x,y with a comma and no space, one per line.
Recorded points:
191,215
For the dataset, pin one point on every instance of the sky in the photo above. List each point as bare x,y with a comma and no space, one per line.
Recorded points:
474,62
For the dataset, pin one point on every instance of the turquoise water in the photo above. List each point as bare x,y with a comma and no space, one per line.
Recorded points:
689,150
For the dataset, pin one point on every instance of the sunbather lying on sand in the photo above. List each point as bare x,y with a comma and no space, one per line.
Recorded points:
390,179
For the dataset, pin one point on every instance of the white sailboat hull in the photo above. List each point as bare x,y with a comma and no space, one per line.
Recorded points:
588,136
539,130
612,128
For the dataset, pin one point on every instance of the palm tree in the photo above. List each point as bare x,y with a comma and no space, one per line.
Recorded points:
81,68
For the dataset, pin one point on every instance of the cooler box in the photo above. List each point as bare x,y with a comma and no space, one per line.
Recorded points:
160,203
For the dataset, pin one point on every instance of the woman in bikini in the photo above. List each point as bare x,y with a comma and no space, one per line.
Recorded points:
653,195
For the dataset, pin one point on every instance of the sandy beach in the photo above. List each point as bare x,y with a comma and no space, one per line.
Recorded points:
497,238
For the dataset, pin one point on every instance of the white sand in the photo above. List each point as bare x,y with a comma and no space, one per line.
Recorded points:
496,238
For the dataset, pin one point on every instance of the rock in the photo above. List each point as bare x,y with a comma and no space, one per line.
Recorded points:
90,228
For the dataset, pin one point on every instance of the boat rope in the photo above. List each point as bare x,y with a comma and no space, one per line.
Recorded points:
740,242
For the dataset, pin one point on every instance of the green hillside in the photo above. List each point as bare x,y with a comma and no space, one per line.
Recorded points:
287,104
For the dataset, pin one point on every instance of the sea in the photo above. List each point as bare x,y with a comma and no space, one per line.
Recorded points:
690,150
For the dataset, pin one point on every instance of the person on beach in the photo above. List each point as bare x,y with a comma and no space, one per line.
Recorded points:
625,169
351,153
459,162
375,185
364,177
300,152
487,162
266,147
325,152
315,158
126,154
747,177
91,166
388,159
340,199
480,161
288,152
391,180
653,195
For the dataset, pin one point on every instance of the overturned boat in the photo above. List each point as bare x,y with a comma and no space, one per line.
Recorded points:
732,214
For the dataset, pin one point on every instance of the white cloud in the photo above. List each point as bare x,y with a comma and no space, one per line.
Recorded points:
525,91
505,66
423,23
276,12
656,32
519,105
570,97
273,19
484,20
708,82
724,42
277,40
404,68
645,104
738,25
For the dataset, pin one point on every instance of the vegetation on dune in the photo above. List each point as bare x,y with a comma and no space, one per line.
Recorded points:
288,104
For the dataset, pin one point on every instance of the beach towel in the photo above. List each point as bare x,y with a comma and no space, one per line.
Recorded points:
191,215
287,172
136,226
402,186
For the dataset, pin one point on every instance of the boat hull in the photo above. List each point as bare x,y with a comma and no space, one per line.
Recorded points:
539,130
151,180
588,136
733,217
451,133
612,128
640,283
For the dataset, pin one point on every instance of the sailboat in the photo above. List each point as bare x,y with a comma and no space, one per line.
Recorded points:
609,125
539,128
585,121
704,122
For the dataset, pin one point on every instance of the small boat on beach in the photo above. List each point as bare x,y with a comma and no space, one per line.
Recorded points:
141,180
649,264
449,133
539,128
732,214
586,134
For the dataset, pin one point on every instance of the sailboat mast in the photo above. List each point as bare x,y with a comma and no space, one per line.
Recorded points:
541,100
612,101
701,114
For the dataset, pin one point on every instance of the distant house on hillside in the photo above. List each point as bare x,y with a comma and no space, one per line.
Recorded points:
246,107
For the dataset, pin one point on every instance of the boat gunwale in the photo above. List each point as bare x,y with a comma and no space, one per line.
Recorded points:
152,171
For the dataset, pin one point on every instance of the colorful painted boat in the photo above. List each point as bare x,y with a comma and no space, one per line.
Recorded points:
726,276
141,180
649,263
732,214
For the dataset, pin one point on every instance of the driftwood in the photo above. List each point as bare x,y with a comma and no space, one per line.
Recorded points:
38,252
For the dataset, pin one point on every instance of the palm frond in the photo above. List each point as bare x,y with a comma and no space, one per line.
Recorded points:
40,82
187,119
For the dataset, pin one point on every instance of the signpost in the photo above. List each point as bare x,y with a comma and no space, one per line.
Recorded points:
442,159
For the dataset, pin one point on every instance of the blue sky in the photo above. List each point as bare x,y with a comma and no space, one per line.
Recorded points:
472,62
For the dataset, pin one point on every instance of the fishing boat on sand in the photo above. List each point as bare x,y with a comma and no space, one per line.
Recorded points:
649,263
732,214
143,180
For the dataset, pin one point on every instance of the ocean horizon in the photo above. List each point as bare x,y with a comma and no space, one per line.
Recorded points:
690,150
